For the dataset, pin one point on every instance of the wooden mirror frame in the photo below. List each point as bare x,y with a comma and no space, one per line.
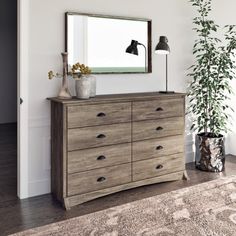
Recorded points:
149,46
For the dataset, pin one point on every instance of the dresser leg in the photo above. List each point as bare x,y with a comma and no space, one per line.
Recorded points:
66,204
185,176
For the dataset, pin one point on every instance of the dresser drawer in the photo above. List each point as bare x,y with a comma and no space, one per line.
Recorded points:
98,136
155,109
157,166
98,179
157,128
94,158
157,147
91,115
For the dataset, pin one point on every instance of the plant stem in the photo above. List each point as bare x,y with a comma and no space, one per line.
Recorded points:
208,69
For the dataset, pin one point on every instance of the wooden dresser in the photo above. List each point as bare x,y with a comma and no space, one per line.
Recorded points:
115,142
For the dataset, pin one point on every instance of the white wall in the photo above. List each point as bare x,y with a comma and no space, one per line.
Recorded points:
172,18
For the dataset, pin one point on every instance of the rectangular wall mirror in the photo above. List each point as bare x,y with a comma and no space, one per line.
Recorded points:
104,43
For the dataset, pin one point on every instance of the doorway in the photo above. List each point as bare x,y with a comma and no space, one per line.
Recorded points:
8,100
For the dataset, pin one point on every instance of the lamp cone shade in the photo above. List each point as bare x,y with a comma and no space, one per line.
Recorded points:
162,47
133,48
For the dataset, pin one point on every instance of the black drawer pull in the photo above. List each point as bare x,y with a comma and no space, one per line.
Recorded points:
159,147
101,114
101,136
159,167
159,109
101,179
101,158
159,128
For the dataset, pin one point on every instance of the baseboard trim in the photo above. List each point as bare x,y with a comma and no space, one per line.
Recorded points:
39,187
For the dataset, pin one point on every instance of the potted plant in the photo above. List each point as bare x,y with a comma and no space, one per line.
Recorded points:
210,89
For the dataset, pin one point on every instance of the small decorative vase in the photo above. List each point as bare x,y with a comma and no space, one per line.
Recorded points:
210,153
64,92
93,86
83,87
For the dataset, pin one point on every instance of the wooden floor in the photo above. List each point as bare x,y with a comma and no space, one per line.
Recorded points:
19,215
8,161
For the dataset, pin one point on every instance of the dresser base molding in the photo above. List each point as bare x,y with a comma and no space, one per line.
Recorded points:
78,199
185,176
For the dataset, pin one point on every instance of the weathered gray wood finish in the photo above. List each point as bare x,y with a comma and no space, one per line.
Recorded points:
157,147
115,142
89,159
157,128
58,151
157,109
84,182
157,166
101,114
78,199
98,136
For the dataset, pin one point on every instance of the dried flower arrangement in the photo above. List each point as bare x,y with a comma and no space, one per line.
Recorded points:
77,70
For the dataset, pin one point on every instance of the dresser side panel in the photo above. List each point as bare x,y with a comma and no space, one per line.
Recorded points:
58,148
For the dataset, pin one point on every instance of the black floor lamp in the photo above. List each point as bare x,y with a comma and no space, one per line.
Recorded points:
133,49
163,48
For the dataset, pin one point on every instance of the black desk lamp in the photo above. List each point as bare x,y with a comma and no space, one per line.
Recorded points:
163,48
133,49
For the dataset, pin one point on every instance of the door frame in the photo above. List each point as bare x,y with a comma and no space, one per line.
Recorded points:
22,92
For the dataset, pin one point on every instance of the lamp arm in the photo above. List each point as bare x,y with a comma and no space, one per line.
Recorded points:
143,46
145,55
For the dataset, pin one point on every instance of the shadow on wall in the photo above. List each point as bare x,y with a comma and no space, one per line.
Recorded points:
231,136
189,139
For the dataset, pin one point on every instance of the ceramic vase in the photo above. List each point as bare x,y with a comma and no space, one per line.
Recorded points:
83,87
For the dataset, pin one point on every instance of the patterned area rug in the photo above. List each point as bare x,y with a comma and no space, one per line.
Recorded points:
204,209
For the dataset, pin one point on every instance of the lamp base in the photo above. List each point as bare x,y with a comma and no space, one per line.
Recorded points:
166,92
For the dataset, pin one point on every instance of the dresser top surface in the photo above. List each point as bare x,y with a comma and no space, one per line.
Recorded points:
118,97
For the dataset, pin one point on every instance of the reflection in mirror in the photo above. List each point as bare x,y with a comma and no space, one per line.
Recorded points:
101,42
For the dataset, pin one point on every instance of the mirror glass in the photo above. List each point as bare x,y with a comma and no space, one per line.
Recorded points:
100,42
